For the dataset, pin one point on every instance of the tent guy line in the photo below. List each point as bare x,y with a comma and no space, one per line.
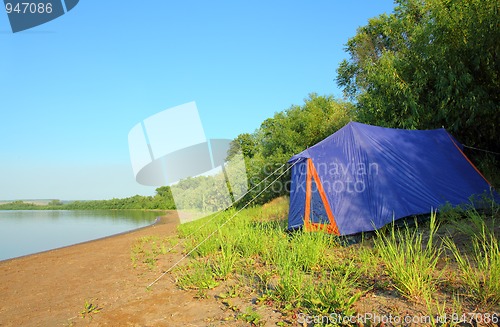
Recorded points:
478,149
220,212
224,223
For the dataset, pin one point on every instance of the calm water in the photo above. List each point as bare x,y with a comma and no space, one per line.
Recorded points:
29,231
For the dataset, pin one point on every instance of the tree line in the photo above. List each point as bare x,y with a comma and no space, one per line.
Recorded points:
162,200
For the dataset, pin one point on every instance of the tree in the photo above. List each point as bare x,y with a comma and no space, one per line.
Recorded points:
244,143
429,64
55,203
287,133
163,198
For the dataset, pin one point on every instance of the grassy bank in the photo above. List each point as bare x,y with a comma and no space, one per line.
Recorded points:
448,266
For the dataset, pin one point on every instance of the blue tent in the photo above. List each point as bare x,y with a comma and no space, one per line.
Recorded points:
363,177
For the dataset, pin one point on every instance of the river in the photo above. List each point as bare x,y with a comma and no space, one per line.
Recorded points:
25,232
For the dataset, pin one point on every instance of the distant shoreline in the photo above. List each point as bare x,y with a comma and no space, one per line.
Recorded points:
41,202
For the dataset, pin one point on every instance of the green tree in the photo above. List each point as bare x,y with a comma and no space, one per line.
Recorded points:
55,203
287,133
244,143
429,64
163,198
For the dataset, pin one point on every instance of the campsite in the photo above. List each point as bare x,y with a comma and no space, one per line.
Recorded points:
249,266
252,272
379,207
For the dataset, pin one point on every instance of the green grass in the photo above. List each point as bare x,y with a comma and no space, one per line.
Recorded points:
410,260
250,316
89,309
146,250
480,268
223,262
296,270
198,275
250,255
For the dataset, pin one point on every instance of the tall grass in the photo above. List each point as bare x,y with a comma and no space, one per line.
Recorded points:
310,279
410,260
296,270
312,273
480,269
198,275
226,258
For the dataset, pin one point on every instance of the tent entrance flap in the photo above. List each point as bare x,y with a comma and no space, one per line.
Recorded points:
318,213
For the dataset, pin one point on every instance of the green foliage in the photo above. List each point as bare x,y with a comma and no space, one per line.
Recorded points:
250,316
163,200
268,148
244,142
198,276
226,258
427,65
147,249
203,194
287,133
249,254
19,205
55,203
89,308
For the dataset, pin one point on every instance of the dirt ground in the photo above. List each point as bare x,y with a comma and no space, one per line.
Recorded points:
52,288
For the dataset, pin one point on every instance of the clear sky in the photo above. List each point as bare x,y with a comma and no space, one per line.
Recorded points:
73,88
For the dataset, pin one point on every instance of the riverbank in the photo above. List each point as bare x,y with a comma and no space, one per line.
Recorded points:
53,288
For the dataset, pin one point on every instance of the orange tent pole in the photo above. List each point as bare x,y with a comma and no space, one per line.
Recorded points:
333,228
307,210
309,226
468,160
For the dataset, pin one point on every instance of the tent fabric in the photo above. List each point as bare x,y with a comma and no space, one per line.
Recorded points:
363,177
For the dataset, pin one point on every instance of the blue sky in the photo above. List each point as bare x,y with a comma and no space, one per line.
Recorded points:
73,88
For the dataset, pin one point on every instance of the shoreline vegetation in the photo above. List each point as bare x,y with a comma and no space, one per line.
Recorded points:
162,200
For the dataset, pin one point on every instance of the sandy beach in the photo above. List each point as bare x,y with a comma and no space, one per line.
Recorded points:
53,287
